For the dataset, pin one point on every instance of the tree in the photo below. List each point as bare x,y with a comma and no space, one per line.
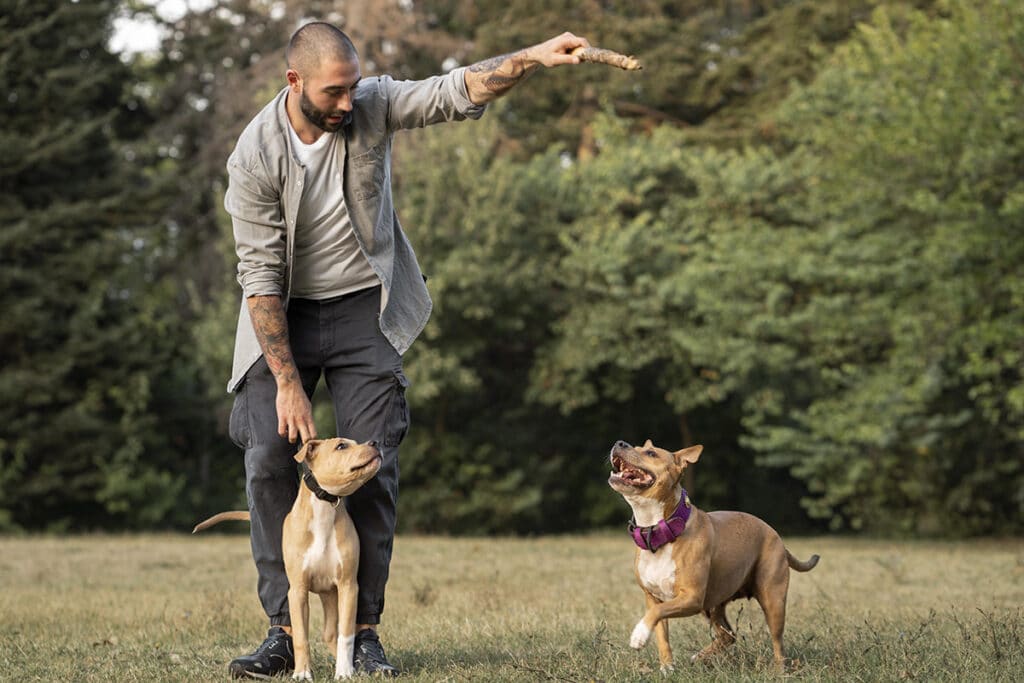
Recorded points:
911,142
83,333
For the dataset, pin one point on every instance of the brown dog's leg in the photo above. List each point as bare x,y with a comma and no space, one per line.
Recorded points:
723,634
774,608
661,637
771,587
685,605
330,602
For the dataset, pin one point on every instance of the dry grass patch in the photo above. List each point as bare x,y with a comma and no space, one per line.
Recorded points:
172,608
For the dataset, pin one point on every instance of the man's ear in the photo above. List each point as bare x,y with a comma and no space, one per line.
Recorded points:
688,456
307,451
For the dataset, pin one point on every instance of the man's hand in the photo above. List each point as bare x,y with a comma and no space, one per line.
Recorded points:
490,79
294,412
556,51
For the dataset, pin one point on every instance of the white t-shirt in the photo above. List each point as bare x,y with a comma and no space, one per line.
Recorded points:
328,261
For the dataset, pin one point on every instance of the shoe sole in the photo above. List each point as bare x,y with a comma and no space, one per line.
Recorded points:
242,673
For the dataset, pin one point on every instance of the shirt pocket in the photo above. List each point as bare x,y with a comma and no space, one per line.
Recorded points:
368,172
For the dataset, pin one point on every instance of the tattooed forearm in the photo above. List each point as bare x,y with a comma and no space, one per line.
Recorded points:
489,65
271,327
492,78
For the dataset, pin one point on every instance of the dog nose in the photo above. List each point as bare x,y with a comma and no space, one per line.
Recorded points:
622,444
372,444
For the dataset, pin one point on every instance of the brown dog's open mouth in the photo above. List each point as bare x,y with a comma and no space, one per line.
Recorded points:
367,463
630,474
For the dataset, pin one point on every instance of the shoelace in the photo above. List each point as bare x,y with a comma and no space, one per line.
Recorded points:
370,646
271,643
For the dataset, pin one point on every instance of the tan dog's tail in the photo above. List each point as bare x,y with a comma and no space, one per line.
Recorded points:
233,515
795,563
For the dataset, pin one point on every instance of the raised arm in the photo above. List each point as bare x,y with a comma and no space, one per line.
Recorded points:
490,79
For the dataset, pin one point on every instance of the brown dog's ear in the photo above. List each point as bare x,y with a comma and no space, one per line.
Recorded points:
648,444
307,451
688,456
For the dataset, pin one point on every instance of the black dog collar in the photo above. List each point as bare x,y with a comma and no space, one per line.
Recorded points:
314,486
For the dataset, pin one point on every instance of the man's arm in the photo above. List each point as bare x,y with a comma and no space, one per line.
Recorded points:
294,411
490,79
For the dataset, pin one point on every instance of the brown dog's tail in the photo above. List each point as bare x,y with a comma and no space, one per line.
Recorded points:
234,515
797,564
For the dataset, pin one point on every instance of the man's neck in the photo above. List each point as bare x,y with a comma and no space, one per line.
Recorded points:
306,131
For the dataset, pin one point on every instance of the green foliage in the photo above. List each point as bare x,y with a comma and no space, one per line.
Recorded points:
83,336
911,146
794,238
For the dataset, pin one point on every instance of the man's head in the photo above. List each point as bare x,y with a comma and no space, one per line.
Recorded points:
323,70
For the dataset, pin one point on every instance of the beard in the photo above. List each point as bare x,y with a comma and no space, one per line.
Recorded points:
318,117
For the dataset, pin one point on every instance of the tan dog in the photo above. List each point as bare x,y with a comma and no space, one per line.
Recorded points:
321,548
690,561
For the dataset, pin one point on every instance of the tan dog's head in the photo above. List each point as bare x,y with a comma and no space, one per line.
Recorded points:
647,470
340,465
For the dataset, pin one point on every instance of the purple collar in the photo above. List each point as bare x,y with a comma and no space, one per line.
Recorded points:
665,531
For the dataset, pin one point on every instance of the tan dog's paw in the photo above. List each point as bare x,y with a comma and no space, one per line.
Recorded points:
640,635
302,676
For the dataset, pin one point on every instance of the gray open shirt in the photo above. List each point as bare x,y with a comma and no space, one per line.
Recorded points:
265,184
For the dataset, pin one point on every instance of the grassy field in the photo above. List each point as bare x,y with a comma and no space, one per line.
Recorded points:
176,608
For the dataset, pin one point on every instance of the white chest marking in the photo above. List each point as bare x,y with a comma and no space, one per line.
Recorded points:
321,561
657,572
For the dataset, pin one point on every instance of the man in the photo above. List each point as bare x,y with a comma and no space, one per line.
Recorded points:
331,285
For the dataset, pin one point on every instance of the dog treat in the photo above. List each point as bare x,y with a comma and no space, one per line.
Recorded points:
600,55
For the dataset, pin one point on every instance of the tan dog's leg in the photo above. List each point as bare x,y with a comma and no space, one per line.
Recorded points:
348,593
330,602
298,608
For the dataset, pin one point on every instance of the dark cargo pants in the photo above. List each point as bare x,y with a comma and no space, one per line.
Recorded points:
342,339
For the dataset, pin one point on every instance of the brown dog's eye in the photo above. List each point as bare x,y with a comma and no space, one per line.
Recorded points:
651,453
341,446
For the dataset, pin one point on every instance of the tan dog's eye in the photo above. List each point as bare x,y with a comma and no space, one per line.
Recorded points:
341,446
651,453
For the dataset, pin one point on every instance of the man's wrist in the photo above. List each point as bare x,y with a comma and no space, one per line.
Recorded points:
288,380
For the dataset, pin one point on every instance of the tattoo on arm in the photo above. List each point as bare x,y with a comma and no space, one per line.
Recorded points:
497,75
271,327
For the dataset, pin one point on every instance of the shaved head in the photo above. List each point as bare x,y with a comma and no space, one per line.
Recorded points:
316,43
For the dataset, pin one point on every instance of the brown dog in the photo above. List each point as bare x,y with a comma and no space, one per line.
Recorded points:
321,548
690,561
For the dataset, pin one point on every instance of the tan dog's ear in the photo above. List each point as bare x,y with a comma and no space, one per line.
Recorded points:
648,444
688,455
307,451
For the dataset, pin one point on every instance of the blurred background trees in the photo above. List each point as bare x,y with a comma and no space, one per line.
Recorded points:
794,238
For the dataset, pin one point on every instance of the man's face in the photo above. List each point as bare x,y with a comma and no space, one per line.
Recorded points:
327,93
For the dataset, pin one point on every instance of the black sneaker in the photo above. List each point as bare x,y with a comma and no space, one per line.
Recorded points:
273,657
369,656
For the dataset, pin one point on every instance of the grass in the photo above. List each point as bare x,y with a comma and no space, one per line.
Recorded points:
175,608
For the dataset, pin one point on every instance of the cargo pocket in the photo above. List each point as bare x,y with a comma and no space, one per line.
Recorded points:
398,412
238,423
